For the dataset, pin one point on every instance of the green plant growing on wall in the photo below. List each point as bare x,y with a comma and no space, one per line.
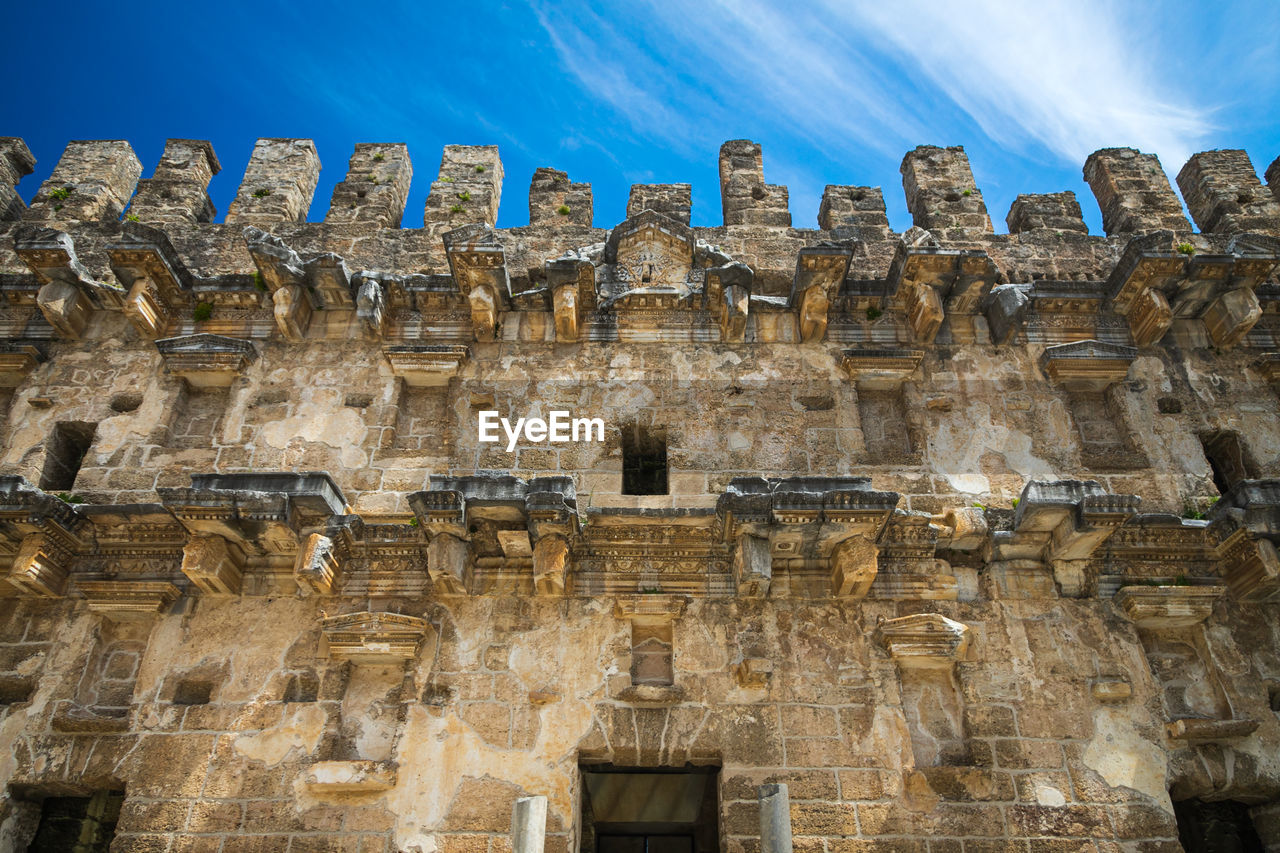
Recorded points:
262,193
563,210
379,156
873,313
68,498
446,180
967,193
131,217
413,522
259,282
60,194
203,311
480,169
1186,249
464,195
457,208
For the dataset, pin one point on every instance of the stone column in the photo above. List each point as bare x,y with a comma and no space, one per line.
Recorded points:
529,825
775,819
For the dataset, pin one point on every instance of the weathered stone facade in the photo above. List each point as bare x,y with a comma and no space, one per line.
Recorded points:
967,539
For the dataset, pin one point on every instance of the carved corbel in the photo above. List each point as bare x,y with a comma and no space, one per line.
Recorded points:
1245,523
144,261
728,297
371,305
572,283
17,360
1147,269
447,559
753,566
41,566
820,270
292,310
853,567
317,566
1230,317
479,267
214,565
550,561
961,528
65,308
69,293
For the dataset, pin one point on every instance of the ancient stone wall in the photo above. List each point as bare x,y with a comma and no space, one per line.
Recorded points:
969,539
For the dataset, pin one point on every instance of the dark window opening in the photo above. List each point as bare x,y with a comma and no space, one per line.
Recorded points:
77,824
650,810
1273,697
64,453
644,461
1228,459
15,690
192,692
1221,827
303,687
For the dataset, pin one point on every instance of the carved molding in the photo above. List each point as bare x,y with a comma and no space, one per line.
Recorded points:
923,641
374,637
1164,607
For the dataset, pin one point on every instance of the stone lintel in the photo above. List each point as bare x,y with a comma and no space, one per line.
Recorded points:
1087,366
655,607
356,776
923,641
1159,608
17,360
1200,730
426,365
880,369
207,361
124,601
374,637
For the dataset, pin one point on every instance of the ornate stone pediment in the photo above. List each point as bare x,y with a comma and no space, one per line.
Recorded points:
925,640
370,637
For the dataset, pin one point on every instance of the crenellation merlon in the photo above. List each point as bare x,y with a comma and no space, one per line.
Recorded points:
1273,178
1224,194
744,196
376,188
1133,192
1056,211
941,193
178,191
278,183
860,208
467,189
16,162
671,200
554,199
92,181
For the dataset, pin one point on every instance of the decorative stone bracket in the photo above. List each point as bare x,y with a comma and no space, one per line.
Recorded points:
128,601
1061,524
820,271
69,294
43,532
207,361
479,266
426,365
1164,607
572,282
17,360
1152,284
833,521
1087,366
728,298
158,283
298,287
536,523
235,516
1244,529
929,282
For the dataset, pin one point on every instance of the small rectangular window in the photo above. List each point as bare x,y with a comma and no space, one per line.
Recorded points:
64,453
644,461
78,824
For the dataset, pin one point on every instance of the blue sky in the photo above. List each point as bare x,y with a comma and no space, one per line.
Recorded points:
617,93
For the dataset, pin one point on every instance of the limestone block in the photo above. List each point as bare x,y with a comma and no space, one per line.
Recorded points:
853,567
447,559
1133,192
859,208
65,308
40,566
278,183
1224,194
752,566
376,187
550,560
177,193
554,200
1111,690
1050,211
93,181
529,825
744,196
317,566
16,161
467,188
350,777
213,564
674,201
292,310
1230,317
1149,317
17,360
206,361
941,192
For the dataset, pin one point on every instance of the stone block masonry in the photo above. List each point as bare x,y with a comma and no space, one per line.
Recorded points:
937,541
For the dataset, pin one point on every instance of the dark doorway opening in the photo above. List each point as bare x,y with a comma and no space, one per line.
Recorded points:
644,461
650,809
1221,827
77,824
